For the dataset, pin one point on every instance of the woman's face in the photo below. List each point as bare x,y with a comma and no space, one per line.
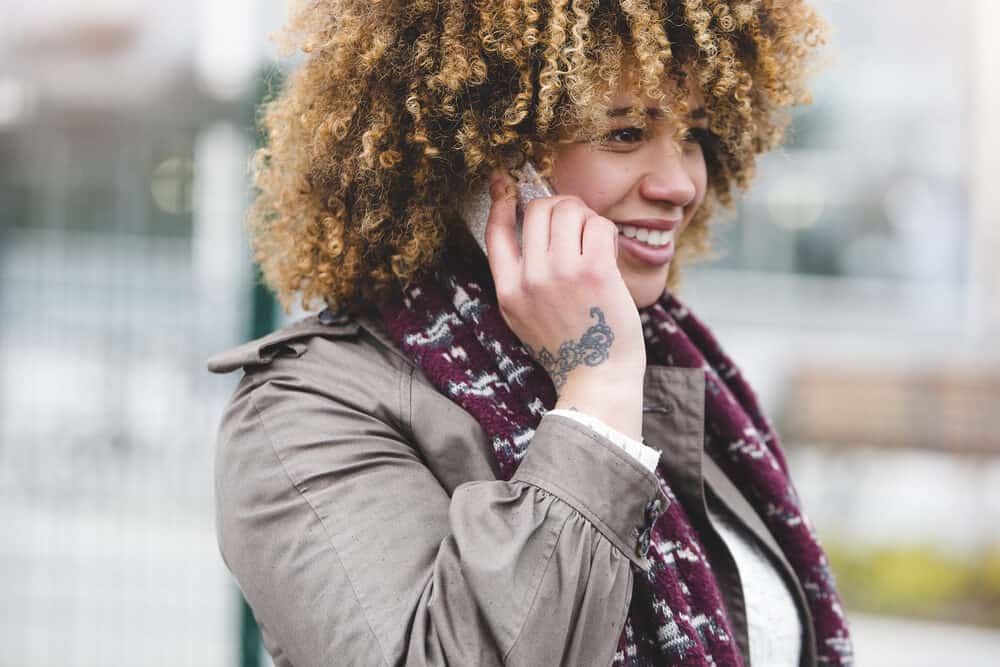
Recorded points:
641,181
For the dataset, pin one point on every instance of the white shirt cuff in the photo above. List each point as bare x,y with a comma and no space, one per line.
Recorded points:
647,456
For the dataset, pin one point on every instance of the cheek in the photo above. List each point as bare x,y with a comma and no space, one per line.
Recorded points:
699,176
581,172
698,173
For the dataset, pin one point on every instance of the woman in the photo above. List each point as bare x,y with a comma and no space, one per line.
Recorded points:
537,456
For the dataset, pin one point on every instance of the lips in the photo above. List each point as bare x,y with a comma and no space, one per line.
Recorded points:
646,254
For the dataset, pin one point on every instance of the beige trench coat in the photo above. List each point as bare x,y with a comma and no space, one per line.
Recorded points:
359,511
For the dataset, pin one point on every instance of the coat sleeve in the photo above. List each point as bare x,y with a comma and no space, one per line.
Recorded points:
350,551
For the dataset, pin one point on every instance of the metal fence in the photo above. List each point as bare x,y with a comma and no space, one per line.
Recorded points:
110,301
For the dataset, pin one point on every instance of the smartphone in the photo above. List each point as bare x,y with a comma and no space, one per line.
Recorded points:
476,208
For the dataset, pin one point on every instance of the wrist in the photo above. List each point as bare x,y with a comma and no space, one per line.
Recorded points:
617,403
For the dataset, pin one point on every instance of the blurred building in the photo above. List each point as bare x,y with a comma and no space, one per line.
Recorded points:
862,256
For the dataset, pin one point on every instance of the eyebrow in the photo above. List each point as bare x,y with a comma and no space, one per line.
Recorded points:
656,114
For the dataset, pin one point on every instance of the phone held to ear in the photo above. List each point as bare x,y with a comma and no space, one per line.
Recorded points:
476,208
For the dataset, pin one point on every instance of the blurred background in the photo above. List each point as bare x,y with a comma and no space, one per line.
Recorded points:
856,285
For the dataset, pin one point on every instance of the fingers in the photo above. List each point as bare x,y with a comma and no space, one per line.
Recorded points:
600,239
536,233
502,250
557,228
568,218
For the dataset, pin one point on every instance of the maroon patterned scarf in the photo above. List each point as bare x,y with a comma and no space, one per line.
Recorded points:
451,327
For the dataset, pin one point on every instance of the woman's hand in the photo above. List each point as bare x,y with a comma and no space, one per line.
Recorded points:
564,297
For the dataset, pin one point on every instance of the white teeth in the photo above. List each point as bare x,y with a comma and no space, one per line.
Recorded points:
653,237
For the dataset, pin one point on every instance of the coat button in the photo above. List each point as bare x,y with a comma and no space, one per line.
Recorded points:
652,513
327,317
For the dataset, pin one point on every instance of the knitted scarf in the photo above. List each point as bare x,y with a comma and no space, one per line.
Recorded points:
451,327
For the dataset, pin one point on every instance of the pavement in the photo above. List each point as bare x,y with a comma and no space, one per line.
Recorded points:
890,642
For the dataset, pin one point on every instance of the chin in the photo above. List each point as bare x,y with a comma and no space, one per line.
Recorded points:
645,284
647,293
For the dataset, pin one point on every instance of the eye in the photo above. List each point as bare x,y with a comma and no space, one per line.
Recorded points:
625,135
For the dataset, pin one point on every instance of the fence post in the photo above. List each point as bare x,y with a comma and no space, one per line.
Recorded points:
262,322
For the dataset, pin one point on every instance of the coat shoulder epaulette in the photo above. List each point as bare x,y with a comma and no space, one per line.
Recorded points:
263,350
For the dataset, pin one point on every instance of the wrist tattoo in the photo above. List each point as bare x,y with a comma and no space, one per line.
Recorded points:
591,349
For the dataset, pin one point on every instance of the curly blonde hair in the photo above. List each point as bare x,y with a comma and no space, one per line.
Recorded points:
400,106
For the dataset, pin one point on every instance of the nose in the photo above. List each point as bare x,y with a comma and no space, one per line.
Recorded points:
667,179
